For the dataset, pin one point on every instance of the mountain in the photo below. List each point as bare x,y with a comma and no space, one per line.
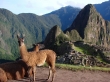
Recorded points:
34,27
104,9
91,27
55,37
66,15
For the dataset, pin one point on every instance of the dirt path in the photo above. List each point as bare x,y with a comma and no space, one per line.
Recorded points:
70,76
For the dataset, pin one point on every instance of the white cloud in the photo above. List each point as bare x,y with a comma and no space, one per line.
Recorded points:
42,6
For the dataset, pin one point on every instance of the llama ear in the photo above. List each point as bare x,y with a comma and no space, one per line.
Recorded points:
23,35
18,35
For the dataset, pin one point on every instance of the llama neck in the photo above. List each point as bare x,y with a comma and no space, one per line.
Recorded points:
36,49
24,52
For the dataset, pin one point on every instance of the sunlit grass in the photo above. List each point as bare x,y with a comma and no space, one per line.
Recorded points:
81,68
79,49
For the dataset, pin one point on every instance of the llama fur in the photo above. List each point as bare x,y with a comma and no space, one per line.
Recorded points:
14,70
38,58
3,77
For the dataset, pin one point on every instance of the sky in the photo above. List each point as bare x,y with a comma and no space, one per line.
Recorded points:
40,7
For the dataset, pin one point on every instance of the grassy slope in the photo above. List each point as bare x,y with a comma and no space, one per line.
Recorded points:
81,68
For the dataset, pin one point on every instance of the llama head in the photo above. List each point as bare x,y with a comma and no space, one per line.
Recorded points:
20,40
37,47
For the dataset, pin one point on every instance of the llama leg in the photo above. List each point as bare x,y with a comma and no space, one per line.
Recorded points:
53,74
50,72
34,70
30,73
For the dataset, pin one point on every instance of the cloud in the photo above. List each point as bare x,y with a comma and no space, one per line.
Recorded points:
42,6
29,5
60,4
50,8
75,4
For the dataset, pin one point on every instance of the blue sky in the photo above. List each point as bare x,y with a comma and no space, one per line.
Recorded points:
40,7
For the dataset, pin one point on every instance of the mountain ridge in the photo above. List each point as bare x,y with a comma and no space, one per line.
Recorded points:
34,27
88,22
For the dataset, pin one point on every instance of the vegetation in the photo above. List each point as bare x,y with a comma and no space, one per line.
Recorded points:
84,49
81,68
61,38
88,50
74,35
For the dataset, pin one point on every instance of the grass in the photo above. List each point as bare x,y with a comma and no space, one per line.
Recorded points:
81,68
83,49
79,49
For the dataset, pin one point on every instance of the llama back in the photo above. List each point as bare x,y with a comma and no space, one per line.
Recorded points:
14,70
49,53
51,57
36,58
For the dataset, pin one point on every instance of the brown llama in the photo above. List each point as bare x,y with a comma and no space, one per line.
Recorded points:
3,77
34,58
47,51
13,71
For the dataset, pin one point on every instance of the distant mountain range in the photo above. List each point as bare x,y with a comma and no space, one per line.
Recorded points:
37,27
104,9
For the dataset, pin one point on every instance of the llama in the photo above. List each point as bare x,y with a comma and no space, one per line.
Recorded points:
3,77
47,51
34,58
14,71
